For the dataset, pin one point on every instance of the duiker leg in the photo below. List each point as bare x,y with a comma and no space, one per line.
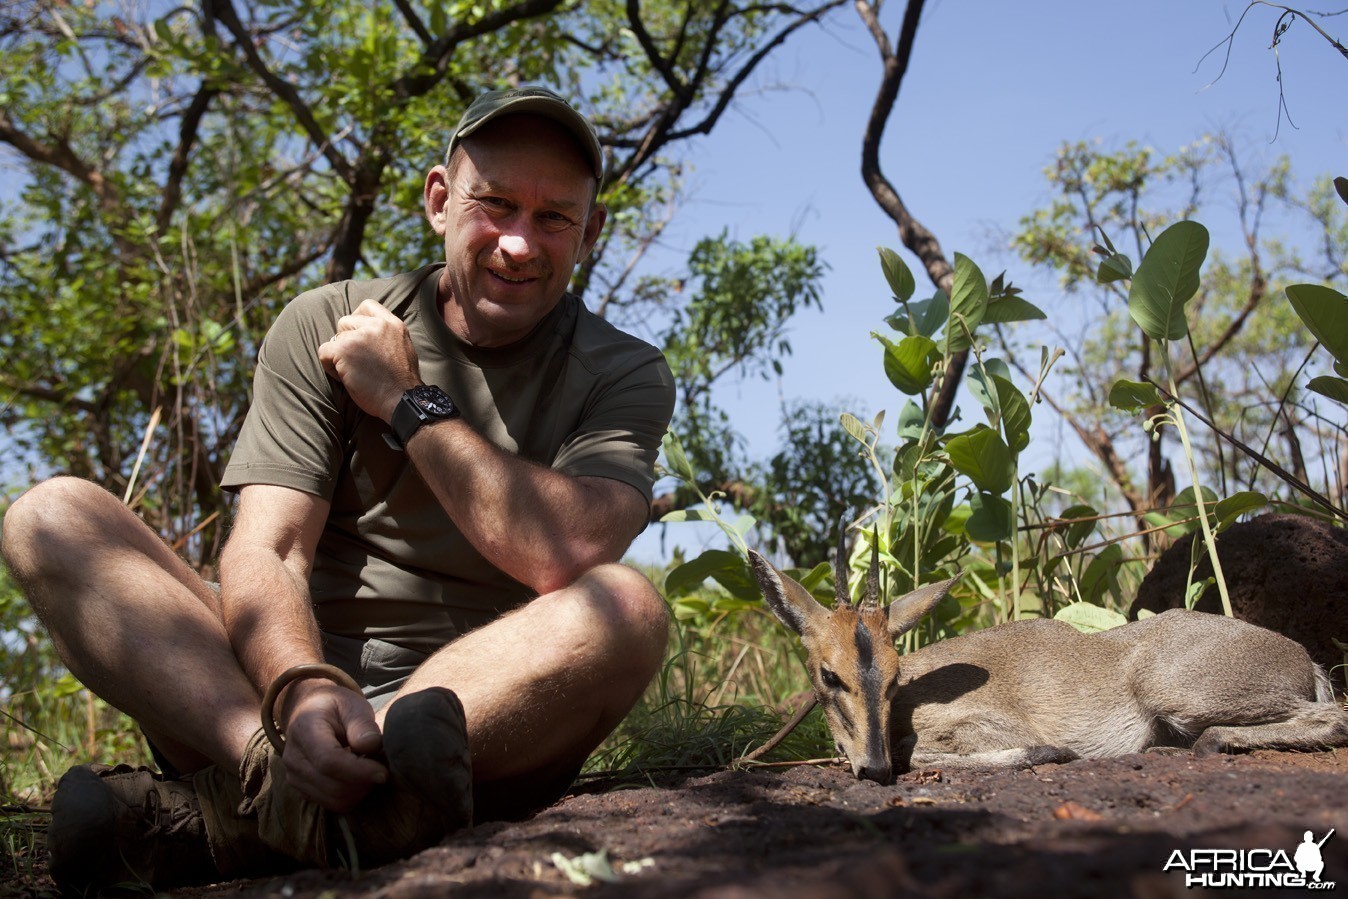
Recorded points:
1313,727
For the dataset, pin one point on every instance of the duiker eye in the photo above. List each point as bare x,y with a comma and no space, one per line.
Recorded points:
831,680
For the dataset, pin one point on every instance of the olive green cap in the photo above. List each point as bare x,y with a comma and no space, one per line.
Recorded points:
538,101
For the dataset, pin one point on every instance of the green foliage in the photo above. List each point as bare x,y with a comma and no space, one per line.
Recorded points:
1167,279
736,321
1325,313
1233,352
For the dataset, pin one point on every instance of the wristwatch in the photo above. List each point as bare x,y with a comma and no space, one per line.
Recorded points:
422,405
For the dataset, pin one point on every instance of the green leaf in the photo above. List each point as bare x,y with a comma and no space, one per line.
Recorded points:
1117,267
681,515
1015,414
1011,309
677,459
1196,591
1325,314
853,426
897,274
1102,574
983,457
1090,618
1334,388
1167,279
1238,504
911,420
690,575
1078,531
1183,507
908,364
968,302
990,519
1341,185
1133,396
924,317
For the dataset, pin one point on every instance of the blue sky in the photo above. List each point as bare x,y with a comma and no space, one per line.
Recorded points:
991,92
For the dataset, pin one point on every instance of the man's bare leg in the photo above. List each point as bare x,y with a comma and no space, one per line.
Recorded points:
131,620
542,686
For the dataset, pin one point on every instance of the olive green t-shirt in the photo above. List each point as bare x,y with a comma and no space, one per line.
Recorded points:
577,395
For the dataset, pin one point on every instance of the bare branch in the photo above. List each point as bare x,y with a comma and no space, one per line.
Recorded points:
414,22
61,155
431,69
187,136
913,233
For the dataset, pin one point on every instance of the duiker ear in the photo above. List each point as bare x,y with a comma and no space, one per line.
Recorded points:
789,601
908,610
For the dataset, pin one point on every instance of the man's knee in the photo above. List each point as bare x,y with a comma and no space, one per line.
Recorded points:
628,611
43,518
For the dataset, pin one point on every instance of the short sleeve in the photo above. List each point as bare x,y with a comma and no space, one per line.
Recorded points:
621,429
292,436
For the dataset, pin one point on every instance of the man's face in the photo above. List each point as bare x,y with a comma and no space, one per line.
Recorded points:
517,214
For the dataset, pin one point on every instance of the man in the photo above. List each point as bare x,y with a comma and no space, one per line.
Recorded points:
435,480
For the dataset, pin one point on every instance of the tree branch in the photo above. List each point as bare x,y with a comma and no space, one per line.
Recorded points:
913,233
187,136
224,11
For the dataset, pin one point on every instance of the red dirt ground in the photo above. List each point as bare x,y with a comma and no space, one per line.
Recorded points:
1094,828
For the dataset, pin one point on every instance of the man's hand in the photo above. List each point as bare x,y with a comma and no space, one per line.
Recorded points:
328,728
371,355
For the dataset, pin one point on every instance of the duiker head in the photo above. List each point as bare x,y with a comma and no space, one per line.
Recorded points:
850,654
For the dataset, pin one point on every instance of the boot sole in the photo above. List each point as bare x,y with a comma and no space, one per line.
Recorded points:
82,839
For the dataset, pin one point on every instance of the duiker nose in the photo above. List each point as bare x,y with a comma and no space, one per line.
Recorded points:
881,774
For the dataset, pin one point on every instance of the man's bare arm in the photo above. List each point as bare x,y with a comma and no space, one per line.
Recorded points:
264,596
542,527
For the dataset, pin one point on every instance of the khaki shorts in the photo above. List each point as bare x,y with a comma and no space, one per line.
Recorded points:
379,667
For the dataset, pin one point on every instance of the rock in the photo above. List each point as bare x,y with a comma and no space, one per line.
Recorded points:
1288,573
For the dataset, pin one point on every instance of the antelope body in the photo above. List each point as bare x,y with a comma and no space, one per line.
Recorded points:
1036,691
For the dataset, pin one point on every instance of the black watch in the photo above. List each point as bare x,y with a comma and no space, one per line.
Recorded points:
419,406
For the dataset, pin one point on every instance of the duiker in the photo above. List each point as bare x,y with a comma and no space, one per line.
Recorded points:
1035,691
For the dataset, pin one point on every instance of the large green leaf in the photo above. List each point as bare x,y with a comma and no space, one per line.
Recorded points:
982,456
1133,396
1167,279
1015,414
1325,314
690,575
1237,504
1011,309
1090,618
908,363
1334,388
968,303
898,275
990,519
911,421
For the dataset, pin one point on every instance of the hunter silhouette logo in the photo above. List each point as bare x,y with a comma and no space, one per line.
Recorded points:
1247,868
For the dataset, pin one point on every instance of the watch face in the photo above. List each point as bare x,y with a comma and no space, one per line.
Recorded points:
433,400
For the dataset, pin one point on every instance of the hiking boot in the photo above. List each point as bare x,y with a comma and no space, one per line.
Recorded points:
257,821
125,825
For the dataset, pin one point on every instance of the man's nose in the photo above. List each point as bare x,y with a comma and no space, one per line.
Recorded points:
517,246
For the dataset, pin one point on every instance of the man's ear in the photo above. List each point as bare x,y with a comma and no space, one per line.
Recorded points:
593,226
435,196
